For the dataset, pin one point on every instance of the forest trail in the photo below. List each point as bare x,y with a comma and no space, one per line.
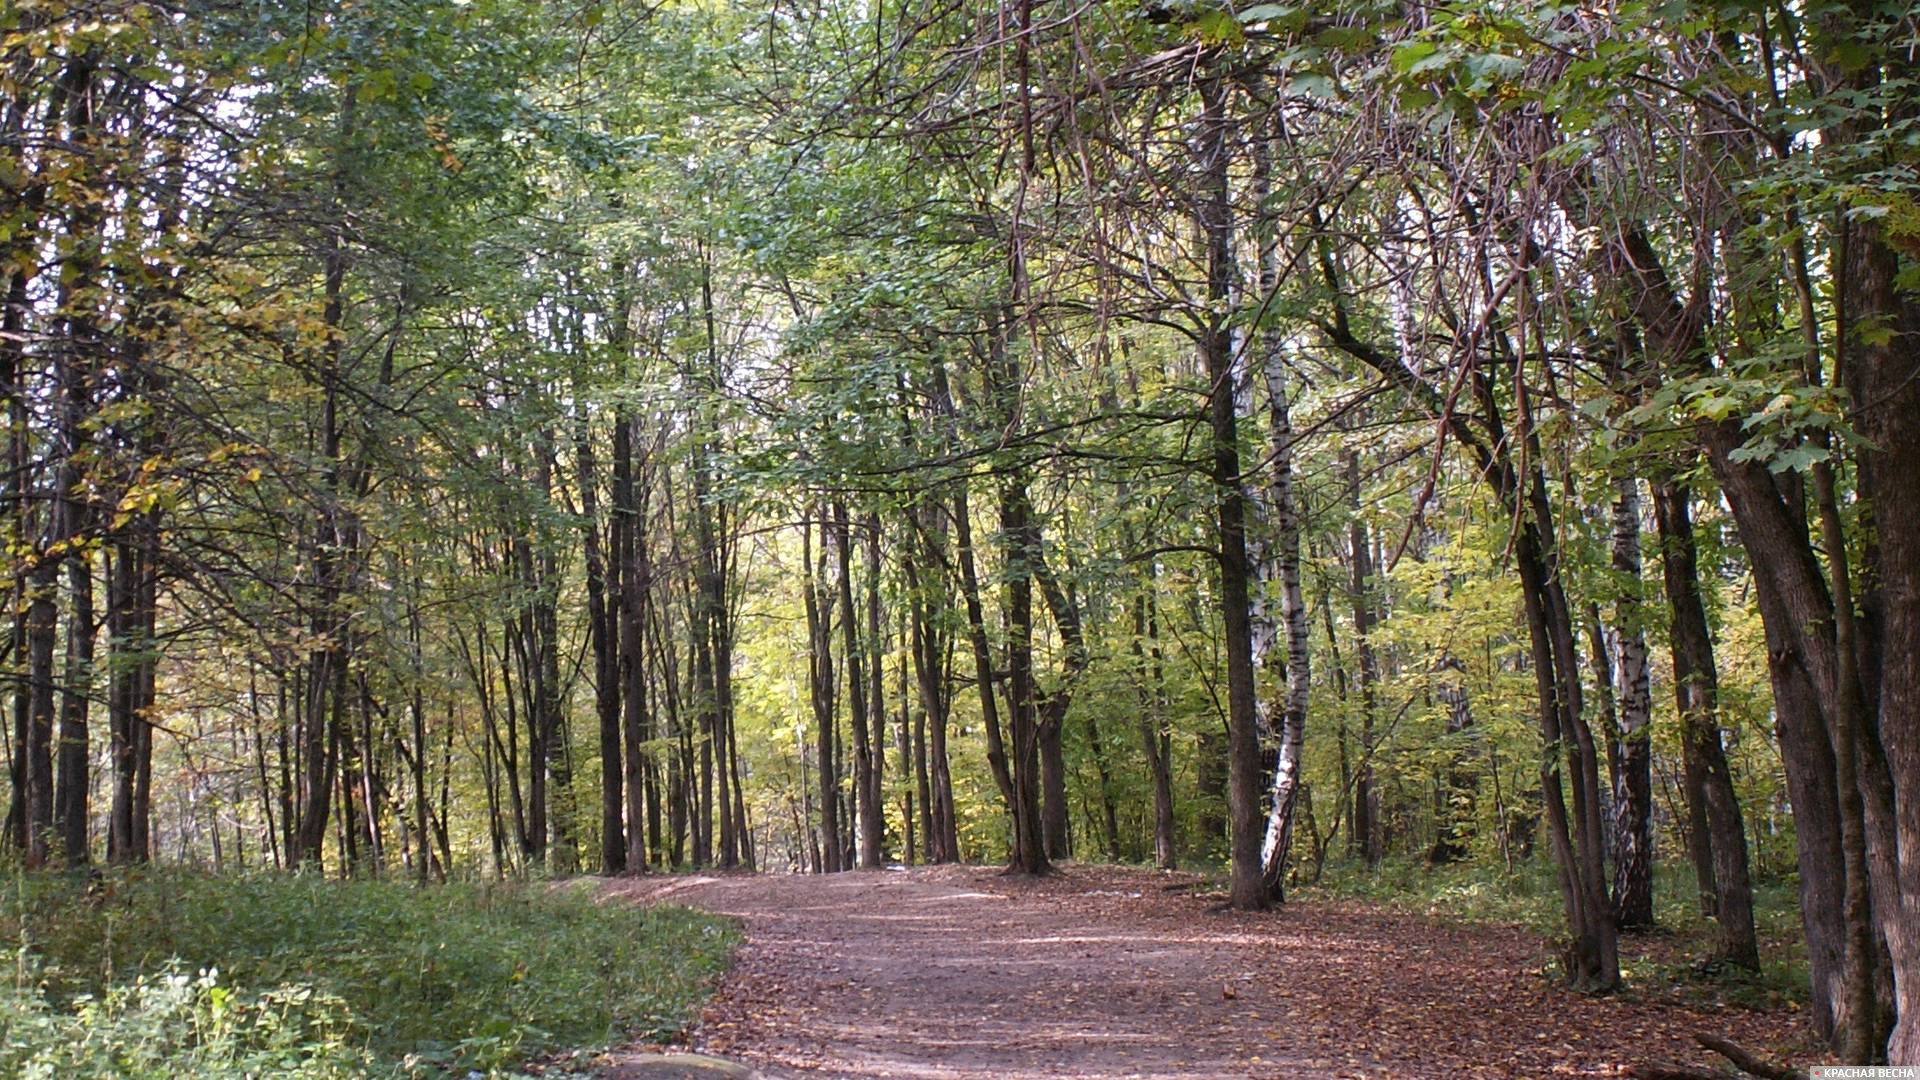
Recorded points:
966,974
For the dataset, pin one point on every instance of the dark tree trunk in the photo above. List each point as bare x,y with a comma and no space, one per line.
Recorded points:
928,641
327,661
1247,891
866,808
1881,375
997,761
42,630
76,697
714,618
632,597
603,641
876,701
1797,612
1055,817
1053,709
1719,831
1155,741
910,750
1459,784
704,726
819,605
1365,839
1020,548
680,776
1109,806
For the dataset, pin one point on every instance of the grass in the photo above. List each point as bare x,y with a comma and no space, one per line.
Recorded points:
336,978
1665,960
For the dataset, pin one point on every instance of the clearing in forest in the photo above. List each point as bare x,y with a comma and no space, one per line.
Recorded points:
962,973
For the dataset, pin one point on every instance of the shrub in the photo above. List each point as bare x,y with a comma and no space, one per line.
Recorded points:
173,1024
466,976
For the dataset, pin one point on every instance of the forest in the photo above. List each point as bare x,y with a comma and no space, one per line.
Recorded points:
459,445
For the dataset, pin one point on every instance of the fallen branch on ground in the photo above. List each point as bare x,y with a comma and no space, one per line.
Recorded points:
1743,1059
1667,1070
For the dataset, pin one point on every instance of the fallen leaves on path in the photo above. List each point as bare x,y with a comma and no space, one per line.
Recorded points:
967,974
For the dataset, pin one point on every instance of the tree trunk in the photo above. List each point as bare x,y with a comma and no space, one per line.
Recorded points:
76,697
1459,785
42,629
1365,838
876,701
1284,505
1247,891
1633,779
1881,376
819,605
1798,615
1277,568
556,758
326,676
704,725
631,598
931,674
1155,741
1719,830
866,808
603,641
983,671
1053,709
1020,549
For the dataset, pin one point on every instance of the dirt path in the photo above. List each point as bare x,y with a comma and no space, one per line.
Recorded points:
963,974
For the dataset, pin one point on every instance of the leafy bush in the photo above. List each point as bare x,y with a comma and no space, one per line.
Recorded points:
1529,896
462,976
1467,891
172,1024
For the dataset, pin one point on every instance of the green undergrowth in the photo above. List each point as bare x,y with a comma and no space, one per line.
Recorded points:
170,973
1671,958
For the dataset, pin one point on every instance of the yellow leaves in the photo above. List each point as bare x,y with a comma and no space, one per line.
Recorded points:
35,45
436,126
135,502
225,452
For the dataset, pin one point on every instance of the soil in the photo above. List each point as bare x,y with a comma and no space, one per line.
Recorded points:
965,973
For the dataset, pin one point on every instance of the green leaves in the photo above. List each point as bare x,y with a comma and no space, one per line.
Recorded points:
1277,16
1418,57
